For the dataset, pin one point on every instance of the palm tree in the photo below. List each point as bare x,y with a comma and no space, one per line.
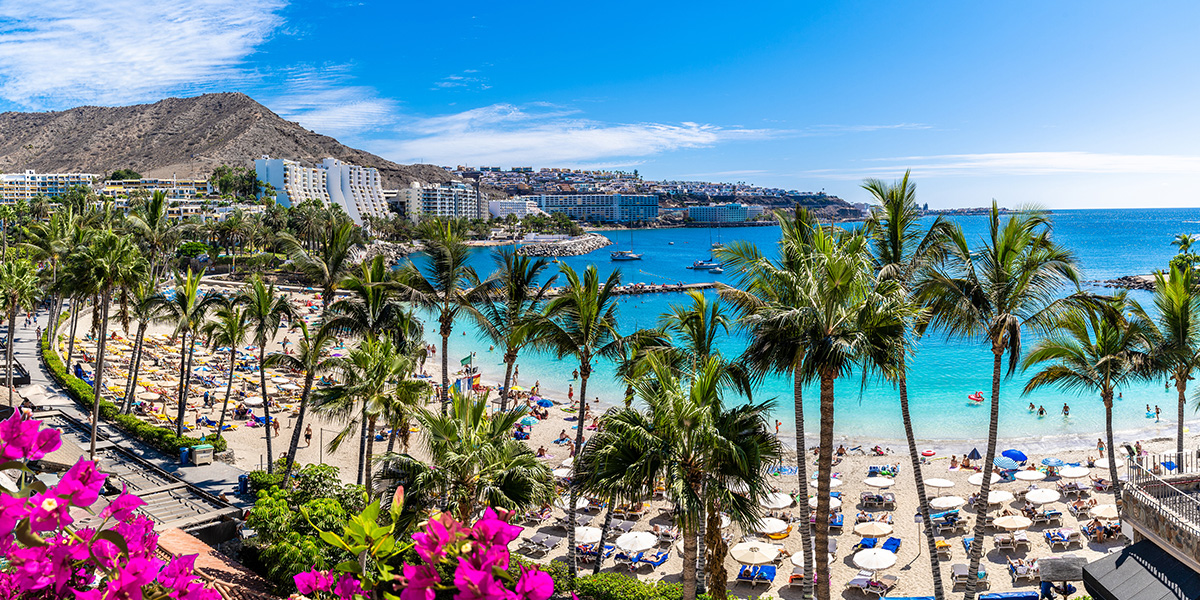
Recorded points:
155,231
903,251
445,287
581,323
372,309
1010,284
1175,333
475,462
330,264
508,314
113,263
145,308
1184,242
228,330
266,309
310,358
695,329
1094,350
187,308
7,216
19,289
50,241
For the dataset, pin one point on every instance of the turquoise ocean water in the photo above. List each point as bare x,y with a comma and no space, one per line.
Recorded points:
1107,243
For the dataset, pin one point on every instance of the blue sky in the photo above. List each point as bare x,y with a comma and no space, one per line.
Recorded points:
1065,104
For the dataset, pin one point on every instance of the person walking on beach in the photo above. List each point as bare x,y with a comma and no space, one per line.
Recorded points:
1157,413
571,393
275,425
1100,446
777,424
307,436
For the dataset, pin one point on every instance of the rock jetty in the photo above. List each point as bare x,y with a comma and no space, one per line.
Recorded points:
1130,282
569,247
392,253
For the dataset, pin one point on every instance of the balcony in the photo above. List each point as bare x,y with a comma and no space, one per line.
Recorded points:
1161,501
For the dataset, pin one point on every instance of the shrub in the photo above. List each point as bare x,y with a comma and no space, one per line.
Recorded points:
161,438
262,481
617,586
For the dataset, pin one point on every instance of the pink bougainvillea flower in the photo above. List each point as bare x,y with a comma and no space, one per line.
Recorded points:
139,534
132,576
313,581
178,573
534,585
12,510
419,582
347,587
439,532
478,582
493,531
122,508
81,483
46,441
48,512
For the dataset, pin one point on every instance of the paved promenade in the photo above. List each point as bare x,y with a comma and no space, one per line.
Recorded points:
214,479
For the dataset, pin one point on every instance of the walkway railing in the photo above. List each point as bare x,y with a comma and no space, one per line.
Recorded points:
1146,479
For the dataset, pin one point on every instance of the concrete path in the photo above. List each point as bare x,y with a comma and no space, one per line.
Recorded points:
214,479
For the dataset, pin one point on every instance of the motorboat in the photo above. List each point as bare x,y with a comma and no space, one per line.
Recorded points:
716,270
624,255
705,265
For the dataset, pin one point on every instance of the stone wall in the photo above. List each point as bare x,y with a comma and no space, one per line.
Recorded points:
1150,518
572,247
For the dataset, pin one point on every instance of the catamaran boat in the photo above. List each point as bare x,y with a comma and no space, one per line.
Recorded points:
624,255
705,265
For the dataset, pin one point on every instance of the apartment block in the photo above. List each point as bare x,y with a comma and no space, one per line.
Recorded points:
724,213
175,189
358,190
520,207
454,200
605,208
29,184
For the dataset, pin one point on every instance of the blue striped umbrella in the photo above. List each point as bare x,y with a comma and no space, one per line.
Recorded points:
1005,462
1053,462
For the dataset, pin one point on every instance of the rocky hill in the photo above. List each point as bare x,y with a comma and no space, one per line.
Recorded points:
184,137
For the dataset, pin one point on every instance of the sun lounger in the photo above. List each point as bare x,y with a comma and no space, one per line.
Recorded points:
782,535
550,543
747,573
1021,538
1019,571
967,544
865,544
532,544
883,585
1004,542
765,574
943,547
859,583
960,573
892,545
836,521
655,561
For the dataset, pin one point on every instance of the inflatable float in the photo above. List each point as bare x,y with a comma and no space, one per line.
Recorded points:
976,397
928,453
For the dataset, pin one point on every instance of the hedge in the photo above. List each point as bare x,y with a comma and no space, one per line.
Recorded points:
618,586
159,437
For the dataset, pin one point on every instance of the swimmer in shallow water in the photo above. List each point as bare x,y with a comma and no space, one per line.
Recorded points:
1033,408
1066,410
1041,411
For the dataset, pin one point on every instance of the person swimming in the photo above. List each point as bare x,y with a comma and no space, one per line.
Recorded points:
1033,408
1041,412
1066,410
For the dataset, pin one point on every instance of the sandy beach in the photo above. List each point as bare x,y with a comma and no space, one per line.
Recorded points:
911,567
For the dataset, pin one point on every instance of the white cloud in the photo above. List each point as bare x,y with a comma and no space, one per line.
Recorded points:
324,100
56,53
1021,163
505,134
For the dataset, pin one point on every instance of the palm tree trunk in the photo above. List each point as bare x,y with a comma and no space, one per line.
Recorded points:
1181,385
716,555
291,457
8,351
367,464
922,499
445,370
585,370
98,384
824,466
184,383
689,558
228,390
981,504
182,370
74,323
262,380
701,557
362,444
802,472
608,515
508,369
1112,452
135,366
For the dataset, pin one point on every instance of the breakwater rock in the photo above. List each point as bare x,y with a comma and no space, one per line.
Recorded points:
1130,282
569,247
392,253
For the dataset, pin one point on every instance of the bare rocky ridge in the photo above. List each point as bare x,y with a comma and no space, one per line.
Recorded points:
184,137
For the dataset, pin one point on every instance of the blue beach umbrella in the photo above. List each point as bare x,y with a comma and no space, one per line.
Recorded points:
1005,462
1053,462
1016,455
974,455
530,421
545,403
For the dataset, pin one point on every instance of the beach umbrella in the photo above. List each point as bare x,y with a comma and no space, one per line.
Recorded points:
880,482
570,462
587,535
1107,512
874,559
977,479
279,380
580,503
1005,462
754,553
974,455
725,521
1053,462
1103,463
739,487
253,401
776,500
798,558
530,420
1016,455
636,541
947,502
832,483
999,496
1012,522
561,472
1073,472
770,525
1028,475
545,403
147,396
1042,496
873,529
939,483
833,502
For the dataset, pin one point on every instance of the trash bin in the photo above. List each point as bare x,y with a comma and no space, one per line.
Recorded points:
183,455
243,484
202,454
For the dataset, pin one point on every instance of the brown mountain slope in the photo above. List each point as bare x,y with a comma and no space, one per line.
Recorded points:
184,137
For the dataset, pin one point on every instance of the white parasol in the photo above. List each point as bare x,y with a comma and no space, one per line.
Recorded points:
754,553
1107,512
563,501
587,535
947,502
1042,496
1103,463
977,479
834,503
770,525
561,472
999,496
1028,475
874,559
776,500
1073,472
1012,522
873,529
880,482
637,541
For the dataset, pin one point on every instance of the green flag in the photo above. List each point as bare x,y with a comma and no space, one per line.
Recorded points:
466,360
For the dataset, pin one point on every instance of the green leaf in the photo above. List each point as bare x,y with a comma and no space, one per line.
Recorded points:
26,536
334,540
14,465
350,566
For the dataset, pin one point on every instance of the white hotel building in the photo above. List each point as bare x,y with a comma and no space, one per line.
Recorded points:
455,199
28,184
358,190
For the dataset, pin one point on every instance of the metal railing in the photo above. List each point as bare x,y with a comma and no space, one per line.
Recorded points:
1146,479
